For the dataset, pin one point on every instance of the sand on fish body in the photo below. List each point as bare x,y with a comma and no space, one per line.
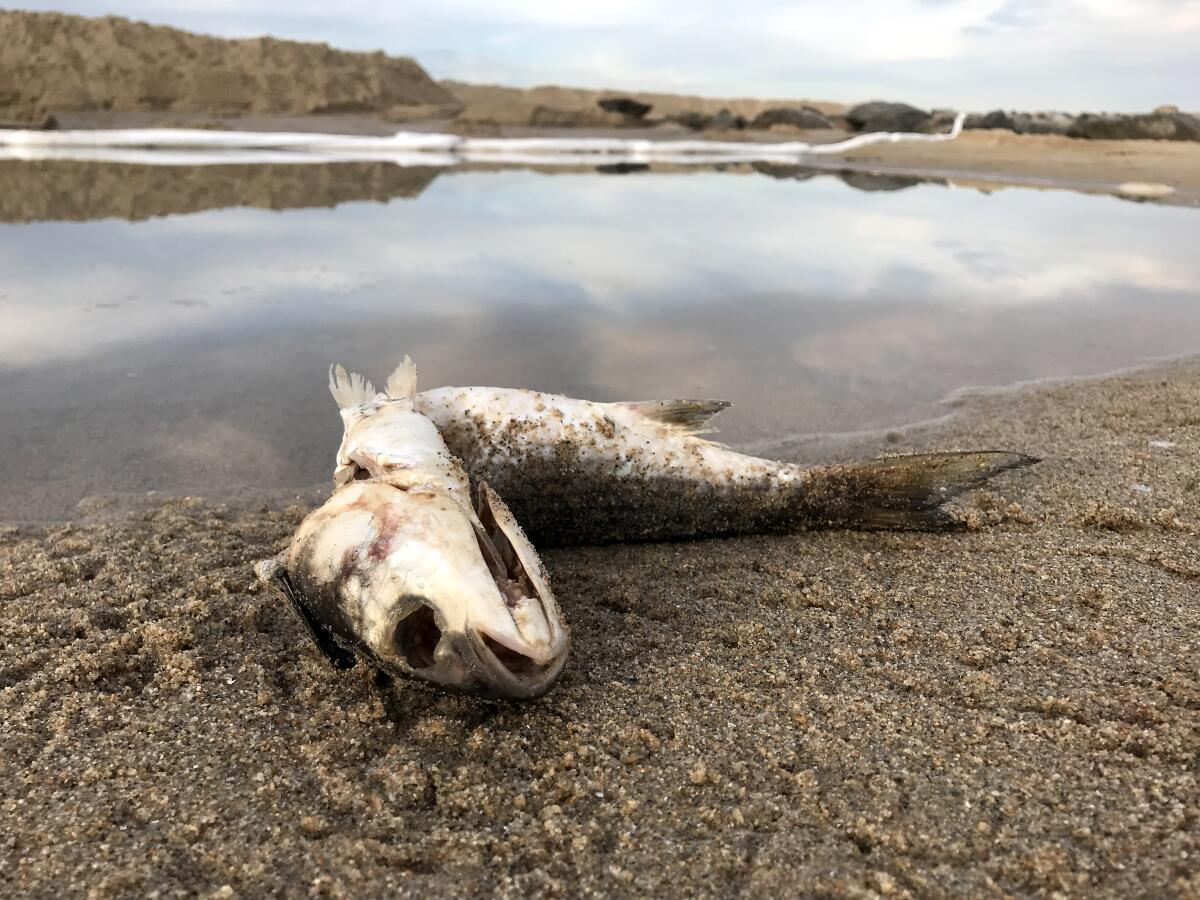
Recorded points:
1010,711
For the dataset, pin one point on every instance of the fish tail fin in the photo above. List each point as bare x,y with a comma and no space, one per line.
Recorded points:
904,493
349,389
402,383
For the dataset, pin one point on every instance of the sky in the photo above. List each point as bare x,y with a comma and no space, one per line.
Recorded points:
1074,55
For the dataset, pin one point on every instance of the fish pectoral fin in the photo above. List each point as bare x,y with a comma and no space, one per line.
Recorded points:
688,416
402,383
277,577
349,389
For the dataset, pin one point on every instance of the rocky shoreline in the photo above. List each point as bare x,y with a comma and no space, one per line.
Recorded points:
1164,123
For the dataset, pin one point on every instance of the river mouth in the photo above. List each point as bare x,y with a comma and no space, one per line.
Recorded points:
170,328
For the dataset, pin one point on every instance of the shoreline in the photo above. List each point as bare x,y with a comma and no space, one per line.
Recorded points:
974,157
810,448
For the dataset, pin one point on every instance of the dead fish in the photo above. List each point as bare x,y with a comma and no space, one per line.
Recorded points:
408,567
575,471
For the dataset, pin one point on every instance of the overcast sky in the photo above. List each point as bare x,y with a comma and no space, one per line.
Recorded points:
975,54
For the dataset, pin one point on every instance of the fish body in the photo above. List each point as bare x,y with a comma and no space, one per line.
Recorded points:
409,567
576,471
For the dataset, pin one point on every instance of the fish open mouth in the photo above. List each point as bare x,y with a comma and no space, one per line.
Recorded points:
517,673
517,663
501,557
511,675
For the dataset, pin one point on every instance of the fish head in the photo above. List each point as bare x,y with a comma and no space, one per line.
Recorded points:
431,586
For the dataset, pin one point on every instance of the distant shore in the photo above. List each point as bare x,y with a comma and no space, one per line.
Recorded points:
67,71
991,158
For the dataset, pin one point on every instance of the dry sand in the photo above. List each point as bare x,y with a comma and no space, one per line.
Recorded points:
1013,710
1050,158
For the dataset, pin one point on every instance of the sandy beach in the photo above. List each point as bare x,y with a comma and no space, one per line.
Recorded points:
1008,710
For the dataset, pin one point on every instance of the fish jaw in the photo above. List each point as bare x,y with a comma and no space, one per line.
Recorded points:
402,574
541,631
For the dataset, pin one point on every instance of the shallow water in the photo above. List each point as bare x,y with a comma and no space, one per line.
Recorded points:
158,337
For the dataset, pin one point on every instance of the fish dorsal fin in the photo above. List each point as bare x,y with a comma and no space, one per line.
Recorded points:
689,416
402,384
349,389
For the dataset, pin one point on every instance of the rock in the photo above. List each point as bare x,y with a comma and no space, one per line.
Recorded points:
1145,127
622,168
997,118
694,121
803,118
1023,123
1049,123
874,181
726,121
879,115
786,171
36,120
942,119
625,106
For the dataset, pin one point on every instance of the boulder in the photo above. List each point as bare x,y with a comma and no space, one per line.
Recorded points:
1023,122
942,119
803,118
32,119
786,171
622,168
724,120
1048,123
875,181
879,115
997,118
695,121
625,106
1145,127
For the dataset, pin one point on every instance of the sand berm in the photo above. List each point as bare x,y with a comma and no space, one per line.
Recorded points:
53,63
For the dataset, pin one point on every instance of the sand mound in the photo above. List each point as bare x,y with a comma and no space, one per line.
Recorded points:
55,62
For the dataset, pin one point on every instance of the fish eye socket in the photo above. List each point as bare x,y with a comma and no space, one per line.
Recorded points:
417,636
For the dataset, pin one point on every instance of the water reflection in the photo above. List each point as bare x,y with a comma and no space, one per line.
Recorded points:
189,352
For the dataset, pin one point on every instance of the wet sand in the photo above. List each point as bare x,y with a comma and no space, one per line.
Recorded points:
1012,710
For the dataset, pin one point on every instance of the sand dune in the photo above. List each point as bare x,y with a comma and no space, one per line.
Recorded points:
53,62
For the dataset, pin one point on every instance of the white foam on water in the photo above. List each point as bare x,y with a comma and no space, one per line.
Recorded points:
185,146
